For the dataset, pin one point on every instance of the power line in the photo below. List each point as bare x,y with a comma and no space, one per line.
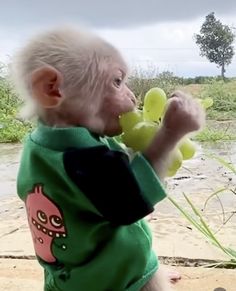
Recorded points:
156,48
176,61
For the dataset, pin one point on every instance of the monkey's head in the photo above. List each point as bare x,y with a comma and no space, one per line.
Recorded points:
74,77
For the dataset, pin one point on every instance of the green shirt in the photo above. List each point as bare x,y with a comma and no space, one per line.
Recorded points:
85,201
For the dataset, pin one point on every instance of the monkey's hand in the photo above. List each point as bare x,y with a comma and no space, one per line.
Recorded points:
183,115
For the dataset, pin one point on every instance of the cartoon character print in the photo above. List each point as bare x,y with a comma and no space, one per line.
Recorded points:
46,223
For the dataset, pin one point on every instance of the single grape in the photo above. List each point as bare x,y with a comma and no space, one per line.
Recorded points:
176,160
171,173
130,119
154,104
207,102
140,136
187,148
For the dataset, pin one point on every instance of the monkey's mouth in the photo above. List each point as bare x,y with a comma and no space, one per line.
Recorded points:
51,233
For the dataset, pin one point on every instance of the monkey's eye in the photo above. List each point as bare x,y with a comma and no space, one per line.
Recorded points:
118,82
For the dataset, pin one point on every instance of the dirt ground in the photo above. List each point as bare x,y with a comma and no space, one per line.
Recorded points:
26,275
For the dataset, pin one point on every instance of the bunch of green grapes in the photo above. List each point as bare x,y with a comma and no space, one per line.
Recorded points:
140,126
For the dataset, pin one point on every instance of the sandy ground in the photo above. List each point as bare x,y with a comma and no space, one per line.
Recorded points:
173,235
171,239
26,275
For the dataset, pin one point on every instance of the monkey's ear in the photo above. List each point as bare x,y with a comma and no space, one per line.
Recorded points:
45,86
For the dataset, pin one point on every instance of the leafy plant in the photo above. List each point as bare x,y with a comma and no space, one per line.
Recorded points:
215,42
11,129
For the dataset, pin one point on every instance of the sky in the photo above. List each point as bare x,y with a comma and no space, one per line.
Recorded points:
151,34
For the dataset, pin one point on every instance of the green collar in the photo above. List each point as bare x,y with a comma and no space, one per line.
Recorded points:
59,138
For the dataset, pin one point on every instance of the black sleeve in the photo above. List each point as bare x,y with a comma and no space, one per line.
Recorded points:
106,178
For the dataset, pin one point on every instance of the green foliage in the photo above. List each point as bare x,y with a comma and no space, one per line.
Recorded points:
224,96
11,129
212,135
221,115
8,100
141,81
223,93
202,80
215,42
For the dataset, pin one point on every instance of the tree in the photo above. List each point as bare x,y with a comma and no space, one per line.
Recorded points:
215,42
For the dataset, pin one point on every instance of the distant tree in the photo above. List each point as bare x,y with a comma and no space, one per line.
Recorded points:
215,42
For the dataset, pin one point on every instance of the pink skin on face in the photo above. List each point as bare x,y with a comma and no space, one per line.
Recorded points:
118,99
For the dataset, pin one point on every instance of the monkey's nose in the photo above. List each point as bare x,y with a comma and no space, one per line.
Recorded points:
133,99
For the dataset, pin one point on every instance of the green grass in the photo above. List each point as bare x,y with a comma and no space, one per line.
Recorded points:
212,134
217,131
197,220
223,94
221,115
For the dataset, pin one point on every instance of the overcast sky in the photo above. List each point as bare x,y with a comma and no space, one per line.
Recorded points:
149,32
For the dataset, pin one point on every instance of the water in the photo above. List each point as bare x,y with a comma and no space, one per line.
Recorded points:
199,175
9,162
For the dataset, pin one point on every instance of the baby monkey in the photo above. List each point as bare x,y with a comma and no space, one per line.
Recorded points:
85,197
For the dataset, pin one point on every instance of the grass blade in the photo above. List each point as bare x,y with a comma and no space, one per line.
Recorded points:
212,195
223,162
202,226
